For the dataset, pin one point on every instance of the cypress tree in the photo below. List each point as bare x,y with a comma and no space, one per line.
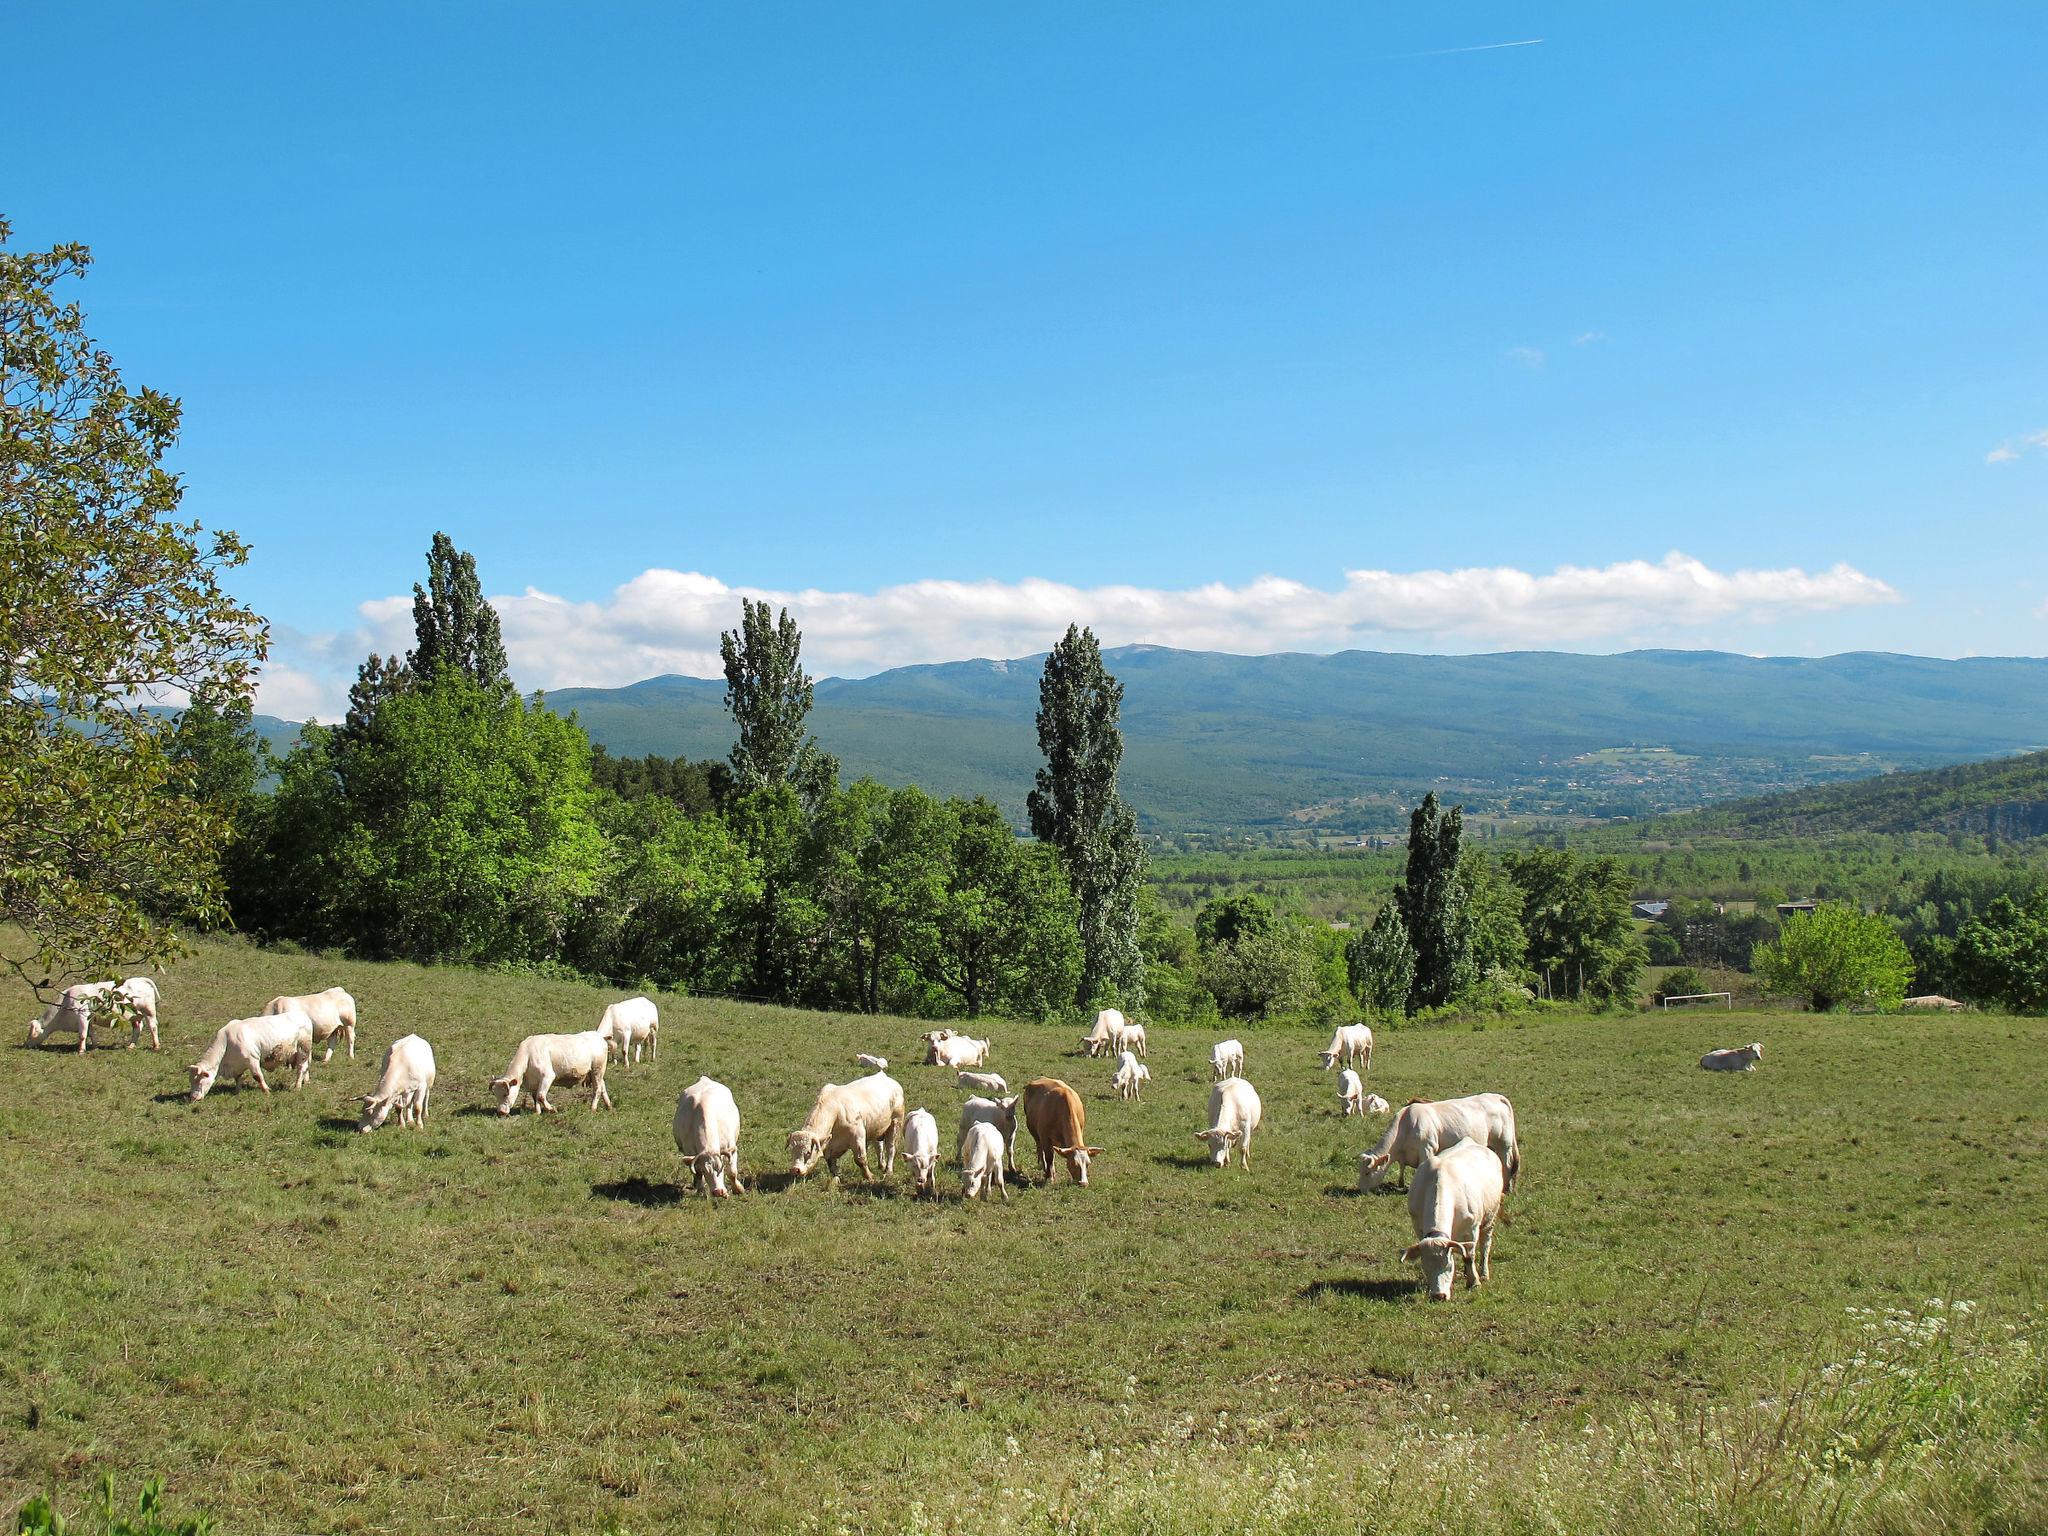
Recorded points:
1432,901
769,694
457,630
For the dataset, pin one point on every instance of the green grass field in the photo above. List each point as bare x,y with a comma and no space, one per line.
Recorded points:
522,1325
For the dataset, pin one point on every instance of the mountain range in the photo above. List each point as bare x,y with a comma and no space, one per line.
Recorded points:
1345,742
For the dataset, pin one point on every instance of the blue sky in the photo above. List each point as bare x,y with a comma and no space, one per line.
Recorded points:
951,321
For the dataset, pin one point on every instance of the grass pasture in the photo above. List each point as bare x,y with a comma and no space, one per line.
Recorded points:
1713,1303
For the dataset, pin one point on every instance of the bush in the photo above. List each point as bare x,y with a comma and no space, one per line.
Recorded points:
39,1516
1683,982
1835,955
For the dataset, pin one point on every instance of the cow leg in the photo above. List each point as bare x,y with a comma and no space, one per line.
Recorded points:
1485,1250
601,1095
546,1080
261,1081
860,1155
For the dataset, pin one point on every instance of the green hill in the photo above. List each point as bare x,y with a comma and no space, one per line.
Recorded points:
1346,742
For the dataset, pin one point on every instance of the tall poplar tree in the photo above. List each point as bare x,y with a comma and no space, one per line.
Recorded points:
769,694
1076,809
1433,905
456,629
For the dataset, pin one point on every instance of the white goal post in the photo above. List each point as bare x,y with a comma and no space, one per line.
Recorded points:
1728,998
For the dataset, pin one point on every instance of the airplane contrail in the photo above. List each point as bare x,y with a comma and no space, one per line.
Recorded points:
1435,53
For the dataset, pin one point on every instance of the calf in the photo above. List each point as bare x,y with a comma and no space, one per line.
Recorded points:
1425,1126
1226,1059
632,1025
1350,1046
405,1085
1234,1114
544,1060
1130,1072
1058,1123
921,1150
108,1001
846,1117
1351,1092
1000,1113
250,1045
333,1012
982,1082
1454,1207
1375,1105
871,1063
1738,1058
981,1162
707,1132
1127,1037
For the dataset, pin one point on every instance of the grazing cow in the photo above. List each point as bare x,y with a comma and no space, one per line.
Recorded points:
1058,1123
956,1051
405,1084
982,1082
1454,1207
1130,1073
1351,1092
250,1045
921,1150
1375,1105
1000,1113
1741,1058
544,1060
1427,1126
1127,1037
707,1132
1096,1041
1234,1113
872,1063
1350,1046
981,1162
333,1012
77,1005
632,1025
1226,1059
845,1119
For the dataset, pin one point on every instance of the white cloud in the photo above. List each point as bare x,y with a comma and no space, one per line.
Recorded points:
2006,452
1528,357
1587,338
669,621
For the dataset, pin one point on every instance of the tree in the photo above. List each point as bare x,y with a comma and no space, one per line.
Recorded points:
1230,918
1835,955
107,602
1007,930
222,756
1382,964
670,906
456,629
1265,972
1579,925
1077,810
2002,957
1495,903
769,694
1433,905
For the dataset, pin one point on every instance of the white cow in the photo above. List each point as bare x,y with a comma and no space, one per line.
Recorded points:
1234,1113
1742,1058
1226,1059
871,1063
1096,1041
982,1082
109,1001
1000,1113
921,1150
631,1025
1350,1046
1127,1037
846,1117
250,1045
1454,1207
405,1084
707,1132
333,1012
1351,1092
544,1060
1375,1105
1130,1073
956,1051
981,1162
1427,1126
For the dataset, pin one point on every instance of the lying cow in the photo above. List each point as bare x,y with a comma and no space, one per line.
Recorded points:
249,1045
956,1051
1234,1114
1737,1058
982,1082
405,1084
707,1133
1454,1207
545,1060
333,1012
77,1006
846,1117
1058,1123
1425,1125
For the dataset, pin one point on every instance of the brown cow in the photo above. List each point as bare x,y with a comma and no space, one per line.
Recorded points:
1058,1124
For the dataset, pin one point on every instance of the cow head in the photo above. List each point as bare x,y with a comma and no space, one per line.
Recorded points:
202,1080
709,1168
37,1028
1439,1257
1220,1143
506,1091
1077,1161
804,1152
376,1110
1372,1170
1329,1059
925,1170
1756,1049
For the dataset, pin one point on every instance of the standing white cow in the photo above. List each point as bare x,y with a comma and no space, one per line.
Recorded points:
632,1024
250,1045
707,1132
405,1084
1425,1126
1351,1092
1096,1041
1350,1046
333,1012
1737,1058
1226,1059
1454,1207
846,1117
921,1150
545,1060
77,1006
1234,1113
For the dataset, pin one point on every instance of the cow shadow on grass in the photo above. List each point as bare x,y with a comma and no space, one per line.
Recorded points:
1391,1288
638,1191
1182,1159
339,1123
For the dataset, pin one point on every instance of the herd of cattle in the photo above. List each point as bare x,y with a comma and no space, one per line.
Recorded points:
1463,1152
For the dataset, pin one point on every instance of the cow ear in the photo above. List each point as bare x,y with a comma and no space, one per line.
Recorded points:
1410,1255
1464,1249
1093,1151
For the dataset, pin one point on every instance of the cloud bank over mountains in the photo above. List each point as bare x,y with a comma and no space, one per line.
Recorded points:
669,621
